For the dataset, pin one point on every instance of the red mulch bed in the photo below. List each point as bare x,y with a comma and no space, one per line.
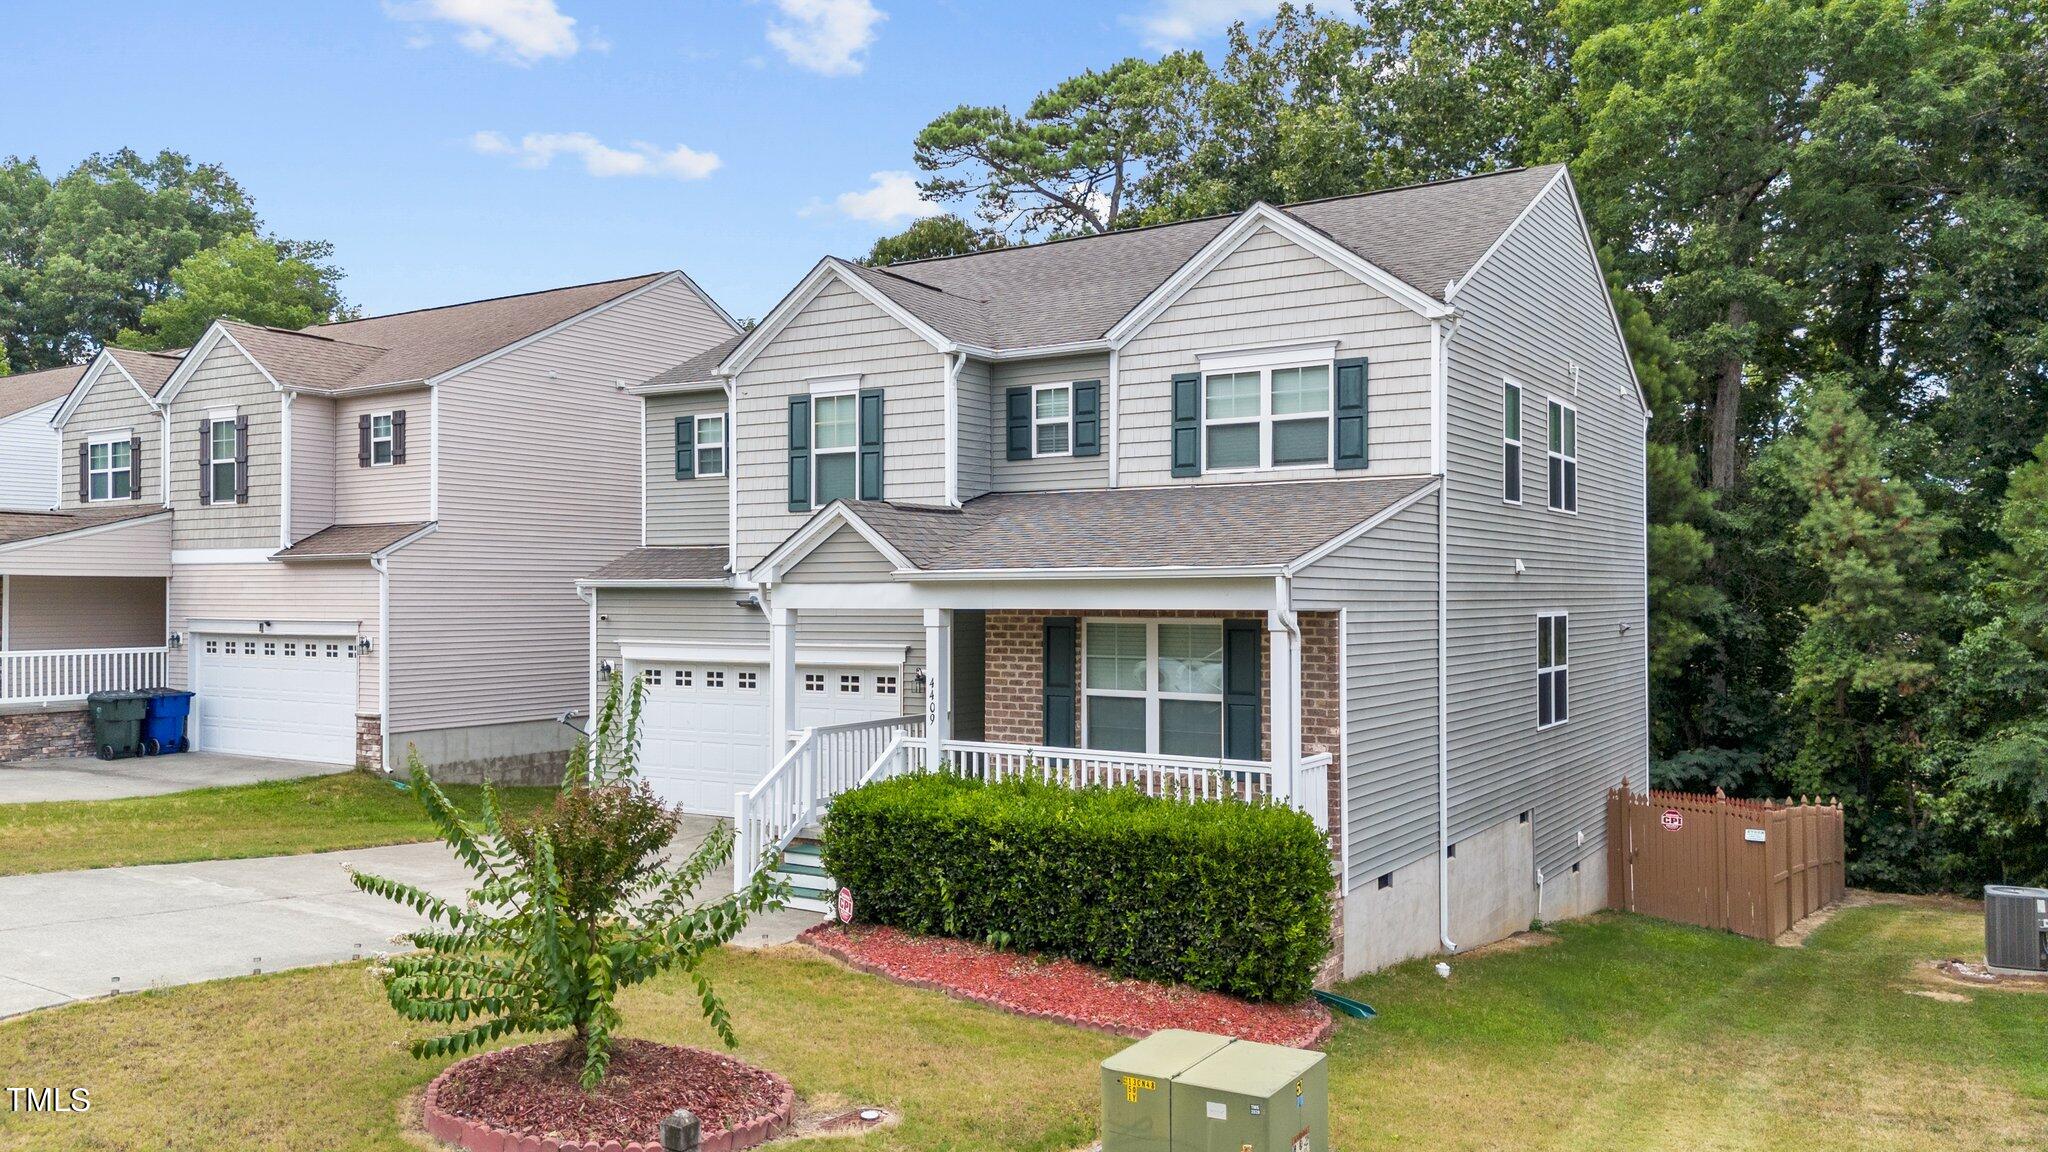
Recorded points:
529,1092
1063,990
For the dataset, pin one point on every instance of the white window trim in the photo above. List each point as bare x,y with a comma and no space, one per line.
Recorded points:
1266,419
1037,423
1563,666
1514,441
833,385
697,444
389,439
1300,354
107,440
214,419
845,386
1152,693
1554,494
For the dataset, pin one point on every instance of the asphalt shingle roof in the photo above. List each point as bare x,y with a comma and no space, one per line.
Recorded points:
16,527
149,369
26,390
698,369
705,563
348,541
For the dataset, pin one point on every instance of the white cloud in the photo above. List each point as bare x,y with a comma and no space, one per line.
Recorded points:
520,30
539,149
890,198
1171,24
830,37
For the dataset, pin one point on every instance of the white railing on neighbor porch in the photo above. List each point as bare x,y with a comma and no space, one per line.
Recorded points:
822,763
52,676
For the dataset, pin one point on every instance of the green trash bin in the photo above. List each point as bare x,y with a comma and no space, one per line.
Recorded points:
117,722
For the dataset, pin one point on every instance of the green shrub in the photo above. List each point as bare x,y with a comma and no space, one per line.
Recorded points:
1228,896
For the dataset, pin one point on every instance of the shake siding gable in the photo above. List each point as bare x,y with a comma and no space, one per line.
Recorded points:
1055,473
538,485
1271,291
1536,307
313,466
112,406
225,380
838,333
386,493
690,511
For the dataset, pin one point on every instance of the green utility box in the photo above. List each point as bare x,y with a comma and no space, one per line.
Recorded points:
1253,1098
1137,1088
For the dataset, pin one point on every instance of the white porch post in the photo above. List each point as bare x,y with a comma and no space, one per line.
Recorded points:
781,678
1284,671
938,683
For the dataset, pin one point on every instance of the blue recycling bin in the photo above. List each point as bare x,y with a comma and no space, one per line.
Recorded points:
163,730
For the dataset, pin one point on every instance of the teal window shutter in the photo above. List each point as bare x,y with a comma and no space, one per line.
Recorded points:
799,453
686,443
1187,424
871,444
1017,414
1241,689
1087,418
1351,415
1061,636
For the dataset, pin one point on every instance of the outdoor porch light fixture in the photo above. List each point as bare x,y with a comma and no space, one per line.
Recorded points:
175,640
750,600
363,645
605,667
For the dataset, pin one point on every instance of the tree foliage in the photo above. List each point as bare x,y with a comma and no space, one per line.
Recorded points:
569,907
945,235
242,277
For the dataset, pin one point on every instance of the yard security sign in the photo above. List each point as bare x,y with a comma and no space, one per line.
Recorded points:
1673,819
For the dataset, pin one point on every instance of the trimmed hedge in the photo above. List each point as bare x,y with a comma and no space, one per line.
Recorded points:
1228,896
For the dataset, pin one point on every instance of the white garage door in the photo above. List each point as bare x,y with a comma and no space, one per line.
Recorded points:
291,697
704,727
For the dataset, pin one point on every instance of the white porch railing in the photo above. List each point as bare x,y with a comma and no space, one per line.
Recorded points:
1177,776
822,763
50,676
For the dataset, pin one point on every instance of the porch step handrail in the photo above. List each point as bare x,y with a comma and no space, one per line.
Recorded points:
821,763
1191,778
47,676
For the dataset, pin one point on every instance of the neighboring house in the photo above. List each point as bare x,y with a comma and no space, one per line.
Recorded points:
28,445
352,539
1340,503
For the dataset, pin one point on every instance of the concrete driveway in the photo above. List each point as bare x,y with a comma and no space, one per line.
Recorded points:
67,935
89,778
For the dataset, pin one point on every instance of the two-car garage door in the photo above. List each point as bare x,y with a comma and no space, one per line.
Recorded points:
289,697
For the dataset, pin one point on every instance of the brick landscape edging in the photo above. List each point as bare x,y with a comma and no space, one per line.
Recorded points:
821,938
480,1136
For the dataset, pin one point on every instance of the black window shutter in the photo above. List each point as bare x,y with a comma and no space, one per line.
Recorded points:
398,437
1351,415
363,440
1241,689
134,468
206,461
84,472
799,453
1187,424
686,444
1087,439
241,459
1061,636
871,444
1017,414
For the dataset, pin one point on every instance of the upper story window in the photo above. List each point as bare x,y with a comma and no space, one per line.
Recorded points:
382,439
835,444
221,474
710,441
1054,420
1564,457
1511,443
1553,661
835,440
1271,418
1052,410
110,469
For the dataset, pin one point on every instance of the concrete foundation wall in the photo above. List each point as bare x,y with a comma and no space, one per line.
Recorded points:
1384,926
532,752
1493,884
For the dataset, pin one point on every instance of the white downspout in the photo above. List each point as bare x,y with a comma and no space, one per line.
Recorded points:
589,596
1114,446
377,563
1441,342
955,361
1290,758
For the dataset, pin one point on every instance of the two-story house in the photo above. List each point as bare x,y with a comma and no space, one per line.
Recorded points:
1340,503
351,539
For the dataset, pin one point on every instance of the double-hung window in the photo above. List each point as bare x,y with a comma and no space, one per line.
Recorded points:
1511,443
383,439
1052,420
110,468
1154,686
835,447
222,440
710,445
1266,418
1553,661
1564,457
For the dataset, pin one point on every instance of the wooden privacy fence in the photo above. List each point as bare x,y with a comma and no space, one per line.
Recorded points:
1753,867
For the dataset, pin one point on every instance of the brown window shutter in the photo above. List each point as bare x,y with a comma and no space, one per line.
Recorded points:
206,461
84,472
135,468
363,440
241,459
398,437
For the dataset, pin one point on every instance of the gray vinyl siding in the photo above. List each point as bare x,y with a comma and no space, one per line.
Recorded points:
32,461
388,493
113,405
714,617
1536,307
1385,582
838,333
1271,291
539,483
844,557
1054,473
692,511
227,381
980,422
313,463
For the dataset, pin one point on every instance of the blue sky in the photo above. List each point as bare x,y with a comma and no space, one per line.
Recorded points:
454,149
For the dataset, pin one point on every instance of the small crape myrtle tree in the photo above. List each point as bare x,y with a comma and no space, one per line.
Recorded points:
571,904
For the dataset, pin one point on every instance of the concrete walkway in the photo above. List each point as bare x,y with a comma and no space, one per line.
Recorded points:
67,935
90,778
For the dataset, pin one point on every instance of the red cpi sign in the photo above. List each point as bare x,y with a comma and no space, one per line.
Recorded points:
1674,819
846,905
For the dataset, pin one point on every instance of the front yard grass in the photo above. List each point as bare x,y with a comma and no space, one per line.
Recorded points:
1627,1033
276,818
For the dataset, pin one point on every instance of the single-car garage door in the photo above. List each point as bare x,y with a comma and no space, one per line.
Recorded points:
291,697
704,726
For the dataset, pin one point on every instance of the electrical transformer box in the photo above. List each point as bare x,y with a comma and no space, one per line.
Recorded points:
1137,1088
1253,1098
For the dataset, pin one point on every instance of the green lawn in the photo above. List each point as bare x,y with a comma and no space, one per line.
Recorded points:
1626,1034
283,817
